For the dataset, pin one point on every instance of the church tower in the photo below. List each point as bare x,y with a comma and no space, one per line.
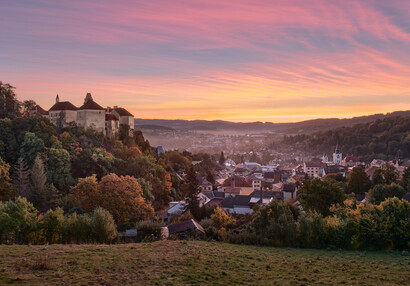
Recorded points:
337,156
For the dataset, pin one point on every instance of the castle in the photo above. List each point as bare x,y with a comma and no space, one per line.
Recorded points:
90,114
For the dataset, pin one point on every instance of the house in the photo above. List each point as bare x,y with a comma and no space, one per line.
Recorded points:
334,170
91,114
269,177
204,185
62,113
314,169
237,186
239,204
215,198
377,163
256,182
264,197
370,171
186,229
351,161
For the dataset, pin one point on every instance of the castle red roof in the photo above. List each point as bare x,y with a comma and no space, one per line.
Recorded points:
352,159
110,117
123,112
39,110
63,105
91,105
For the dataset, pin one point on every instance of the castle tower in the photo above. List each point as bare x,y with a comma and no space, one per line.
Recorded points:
88,98
57,99
337,155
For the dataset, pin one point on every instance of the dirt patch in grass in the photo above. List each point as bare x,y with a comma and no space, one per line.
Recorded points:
197,263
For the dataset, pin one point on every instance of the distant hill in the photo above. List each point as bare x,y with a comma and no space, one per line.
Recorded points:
303,127
385,139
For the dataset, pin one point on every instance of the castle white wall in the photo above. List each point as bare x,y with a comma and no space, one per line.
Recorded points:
91,118
66,116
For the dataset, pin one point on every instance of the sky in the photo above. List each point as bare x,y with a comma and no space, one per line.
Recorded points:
277,61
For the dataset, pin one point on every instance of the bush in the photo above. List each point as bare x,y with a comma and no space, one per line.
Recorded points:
149,230
17,220
103,228
51,225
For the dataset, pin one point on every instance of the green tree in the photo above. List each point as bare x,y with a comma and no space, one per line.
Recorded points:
405,180
17,220
52,223
381,192
358,181
30,147
390,174
317,195
59,169
192,200
9,105
378,178
103,228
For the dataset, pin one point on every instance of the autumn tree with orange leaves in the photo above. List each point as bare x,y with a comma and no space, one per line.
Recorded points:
121,196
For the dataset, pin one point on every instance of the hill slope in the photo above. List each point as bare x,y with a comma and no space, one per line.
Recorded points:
308,126
196,262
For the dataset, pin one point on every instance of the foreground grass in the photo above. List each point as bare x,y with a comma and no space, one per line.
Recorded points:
196,262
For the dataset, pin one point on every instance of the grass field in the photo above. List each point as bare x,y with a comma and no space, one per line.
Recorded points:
197,263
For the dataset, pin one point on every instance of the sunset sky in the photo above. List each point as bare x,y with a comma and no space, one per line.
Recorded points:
235,60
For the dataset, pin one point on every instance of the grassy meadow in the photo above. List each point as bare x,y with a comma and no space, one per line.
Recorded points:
197,263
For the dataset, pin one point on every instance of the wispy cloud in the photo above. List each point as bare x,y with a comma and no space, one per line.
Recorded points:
212,59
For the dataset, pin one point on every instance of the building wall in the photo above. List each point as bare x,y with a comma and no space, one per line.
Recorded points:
92,118
111,127
67,116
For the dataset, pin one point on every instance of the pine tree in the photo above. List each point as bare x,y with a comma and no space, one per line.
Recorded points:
192,200
38,181
222,159
21,178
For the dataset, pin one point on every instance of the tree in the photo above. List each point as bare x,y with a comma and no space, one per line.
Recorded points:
21,178
17,220
377,177
405,180
358,181
222,219
381,192
52,224
103,228
30,147
192,200
390,174
28,106
7,190
222,159
59,169
121,196
38,181
317,195
9,105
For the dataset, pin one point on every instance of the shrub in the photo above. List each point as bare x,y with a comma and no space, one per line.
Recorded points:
51,225
103,228
149,230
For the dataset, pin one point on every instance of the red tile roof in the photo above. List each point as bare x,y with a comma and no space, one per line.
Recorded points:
110,117
91,105
123,112
63,105
239,182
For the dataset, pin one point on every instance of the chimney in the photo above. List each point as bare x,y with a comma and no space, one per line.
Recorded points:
57,99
